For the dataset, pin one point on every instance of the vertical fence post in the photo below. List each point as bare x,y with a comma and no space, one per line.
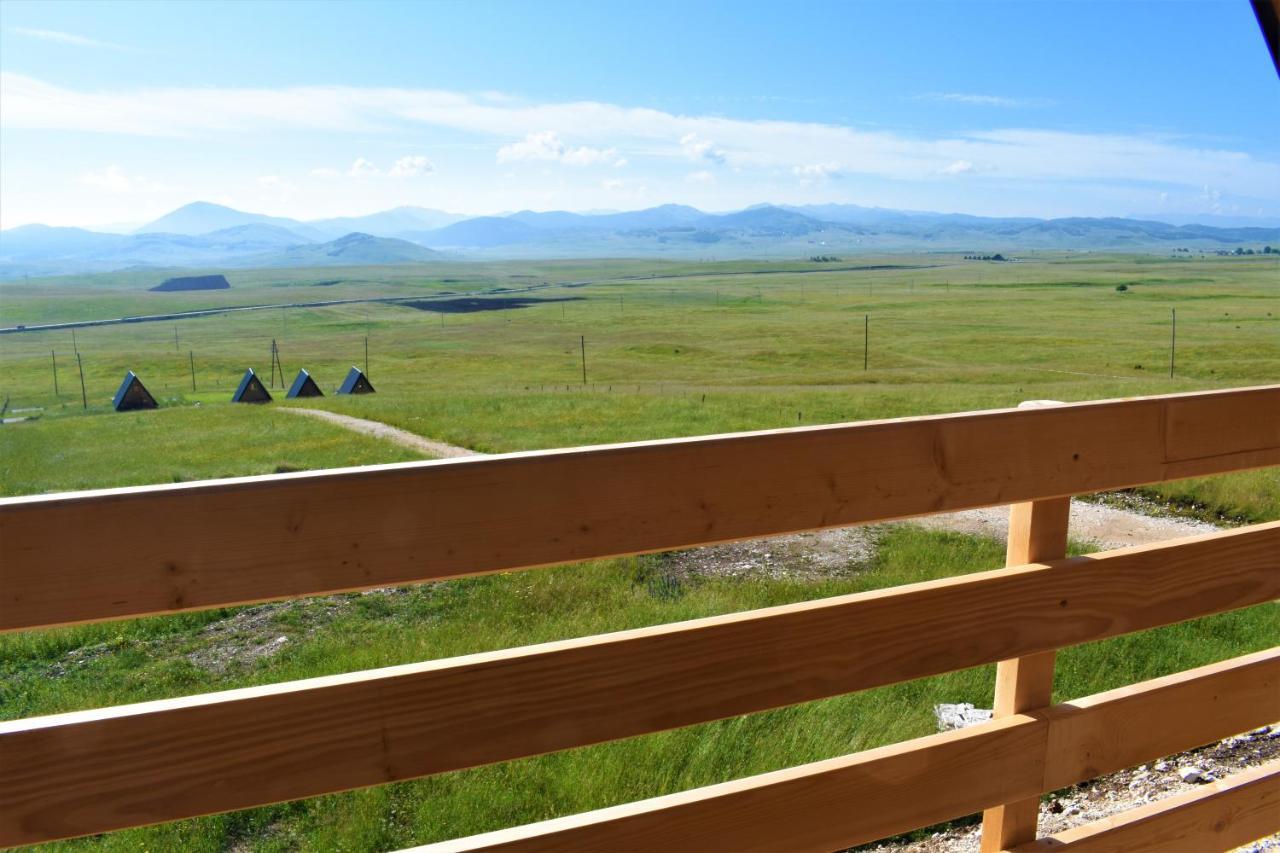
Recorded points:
1173,339
84,398
192,356
54,355
866,339
1037,532
583,341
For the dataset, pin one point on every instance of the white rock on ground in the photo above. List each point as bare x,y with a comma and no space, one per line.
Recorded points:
959,715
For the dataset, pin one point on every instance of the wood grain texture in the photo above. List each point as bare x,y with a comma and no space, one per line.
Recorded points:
164,549
1130,725
817,807
761,813
1213,818
1037,533
93,771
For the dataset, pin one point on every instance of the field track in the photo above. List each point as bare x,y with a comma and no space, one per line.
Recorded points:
377,429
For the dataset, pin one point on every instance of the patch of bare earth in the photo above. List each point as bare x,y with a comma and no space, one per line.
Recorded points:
258,633
805,556
840,550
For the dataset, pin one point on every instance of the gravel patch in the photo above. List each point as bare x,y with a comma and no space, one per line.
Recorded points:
805,556
1119,792
1098,524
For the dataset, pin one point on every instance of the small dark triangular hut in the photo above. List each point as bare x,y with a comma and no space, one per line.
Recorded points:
250,390
304,386
133,395
356,383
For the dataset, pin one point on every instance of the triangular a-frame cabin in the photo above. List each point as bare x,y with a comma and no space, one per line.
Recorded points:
356,383
132,395
250,390
304,386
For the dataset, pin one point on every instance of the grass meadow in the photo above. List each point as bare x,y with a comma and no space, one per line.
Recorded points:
671,349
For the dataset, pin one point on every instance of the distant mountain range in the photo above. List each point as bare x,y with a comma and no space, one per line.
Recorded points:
210,235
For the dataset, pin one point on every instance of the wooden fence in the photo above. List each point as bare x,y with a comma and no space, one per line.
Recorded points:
122,553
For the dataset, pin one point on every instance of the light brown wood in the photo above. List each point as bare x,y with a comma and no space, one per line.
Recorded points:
1213,818
1121,728
768,819
162,549
817,807
94,771
1037,533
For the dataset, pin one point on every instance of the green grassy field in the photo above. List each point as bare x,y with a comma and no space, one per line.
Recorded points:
671,349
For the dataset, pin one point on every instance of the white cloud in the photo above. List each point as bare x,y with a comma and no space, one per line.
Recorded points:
702,176
324,172
983,100
273,182
1211,199
696,148
585,156
362,168
957,167
412,166
1023,155
114,180
64,38
547,145
611,184
820,171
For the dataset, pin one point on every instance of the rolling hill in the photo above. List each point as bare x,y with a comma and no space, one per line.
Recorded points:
202,217
416,235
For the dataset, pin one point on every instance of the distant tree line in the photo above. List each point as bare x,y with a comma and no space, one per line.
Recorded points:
1265,250
995,257
824,259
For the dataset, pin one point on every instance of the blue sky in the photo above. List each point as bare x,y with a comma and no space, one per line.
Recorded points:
117,112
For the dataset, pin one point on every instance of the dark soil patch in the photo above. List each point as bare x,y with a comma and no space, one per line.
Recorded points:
194,282
472,305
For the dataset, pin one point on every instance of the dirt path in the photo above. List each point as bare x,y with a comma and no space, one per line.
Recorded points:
377,429
1104,526
843,549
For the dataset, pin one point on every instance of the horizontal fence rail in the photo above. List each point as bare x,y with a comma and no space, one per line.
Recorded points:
881,792
172,548
1224,814
164,549
90,771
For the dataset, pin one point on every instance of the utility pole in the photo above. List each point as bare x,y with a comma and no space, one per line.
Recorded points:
866,339
175,338
584,360
84,398
366,361
1173,340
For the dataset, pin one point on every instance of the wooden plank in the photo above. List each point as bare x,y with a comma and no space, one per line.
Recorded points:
1215,817
1196,429
261,538
1131,725
1037,533
773,817
818,807
94,771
